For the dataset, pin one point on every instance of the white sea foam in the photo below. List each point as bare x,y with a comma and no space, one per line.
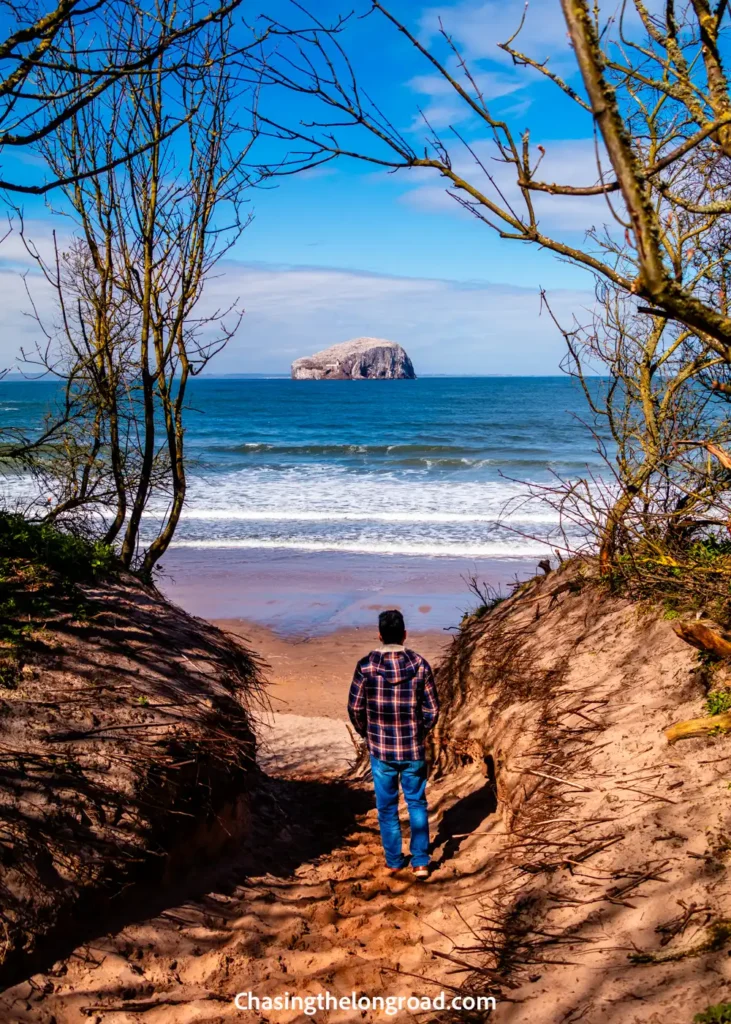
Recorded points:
275,470
519,549
364,516
325,494
325,508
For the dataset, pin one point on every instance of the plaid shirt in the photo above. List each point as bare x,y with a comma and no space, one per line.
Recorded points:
393,703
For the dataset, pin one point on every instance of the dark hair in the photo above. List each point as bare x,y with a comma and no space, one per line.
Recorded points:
391,626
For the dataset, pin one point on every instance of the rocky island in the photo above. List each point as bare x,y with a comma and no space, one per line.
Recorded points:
358,359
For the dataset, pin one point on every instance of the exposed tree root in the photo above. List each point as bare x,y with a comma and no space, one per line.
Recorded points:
717,937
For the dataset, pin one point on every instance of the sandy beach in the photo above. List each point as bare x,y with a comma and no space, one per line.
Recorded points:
311,616
311,675
303,727
307,594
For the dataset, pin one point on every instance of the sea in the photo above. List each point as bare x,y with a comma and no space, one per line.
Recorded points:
434,467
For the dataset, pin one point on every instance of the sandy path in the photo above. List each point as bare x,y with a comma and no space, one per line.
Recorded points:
299,746
307,908
304,732
335,923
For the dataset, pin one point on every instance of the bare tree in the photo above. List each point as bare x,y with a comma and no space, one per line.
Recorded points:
652,416
91,350
130,332
58,65
656,96
53,66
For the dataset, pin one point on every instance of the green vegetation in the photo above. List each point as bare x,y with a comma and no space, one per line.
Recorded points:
718,1014
487,596
40,567
718,702
685,579
487,606
46,548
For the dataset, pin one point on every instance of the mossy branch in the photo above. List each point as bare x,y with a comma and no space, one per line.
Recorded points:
699,727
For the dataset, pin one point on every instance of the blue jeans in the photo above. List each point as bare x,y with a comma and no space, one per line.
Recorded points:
386,775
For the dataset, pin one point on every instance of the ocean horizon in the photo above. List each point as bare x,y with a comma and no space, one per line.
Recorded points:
14,377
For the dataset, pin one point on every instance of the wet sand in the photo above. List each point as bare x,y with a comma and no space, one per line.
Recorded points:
311,617
308,594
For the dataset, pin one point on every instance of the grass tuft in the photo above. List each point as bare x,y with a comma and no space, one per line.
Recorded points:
718,702
40,569
720,1013
682,578
45,547
718,935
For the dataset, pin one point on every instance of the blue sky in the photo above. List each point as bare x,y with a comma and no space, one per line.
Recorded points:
349,250
360,217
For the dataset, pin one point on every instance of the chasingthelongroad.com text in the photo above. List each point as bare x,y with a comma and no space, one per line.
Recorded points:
388,1006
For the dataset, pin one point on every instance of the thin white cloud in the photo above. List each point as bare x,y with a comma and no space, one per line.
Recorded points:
24,292
446,326
444,106
39,235
477,28
567,162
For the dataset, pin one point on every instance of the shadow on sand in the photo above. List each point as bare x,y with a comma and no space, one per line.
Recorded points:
465,816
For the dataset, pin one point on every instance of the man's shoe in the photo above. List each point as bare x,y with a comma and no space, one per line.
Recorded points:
422,871
394,871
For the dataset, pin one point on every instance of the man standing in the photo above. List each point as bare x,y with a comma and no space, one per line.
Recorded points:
392,705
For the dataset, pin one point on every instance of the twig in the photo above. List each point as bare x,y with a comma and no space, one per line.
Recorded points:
574,711
429,981
653,796
603,846
556,778
464,835
572,821
143,1005
462,963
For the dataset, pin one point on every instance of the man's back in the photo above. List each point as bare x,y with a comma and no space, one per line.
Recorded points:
393,702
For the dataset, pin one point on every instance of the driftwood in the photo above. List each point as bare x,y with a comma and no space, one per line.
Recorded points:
703,638
698,727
